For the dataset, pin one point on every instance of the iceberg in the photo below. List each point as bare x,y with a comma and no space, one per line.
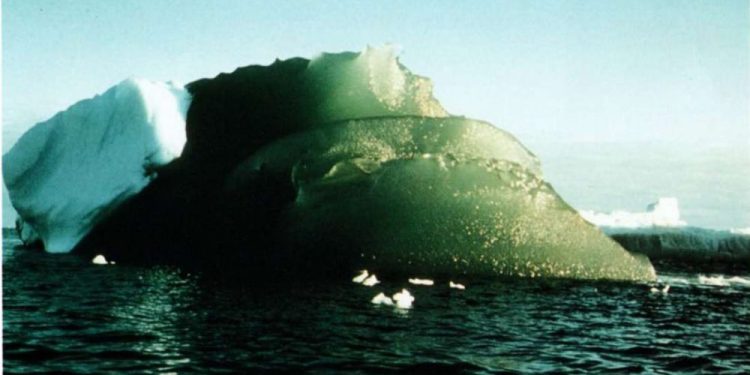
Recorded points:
341,163
698,248
669,241
67,173
663,213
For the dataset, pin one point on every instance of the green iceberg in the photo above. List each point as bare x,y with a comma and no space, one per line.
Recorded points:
347,162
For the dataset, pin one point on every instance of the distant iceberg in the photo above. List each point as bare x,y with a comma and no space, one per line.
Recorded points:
663,213
703,249
665,238
68,172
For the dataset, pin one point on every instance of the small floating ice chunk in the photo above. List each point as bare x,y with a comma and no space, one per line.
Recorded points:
417,281
663,291
382,299
456,285
99,259
403,299
370,281
361,277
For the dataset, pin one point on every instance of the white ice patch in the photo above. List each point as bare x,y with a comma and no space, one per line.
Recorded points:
382,299
664,213
66,173
361,277
371,281
456,285
403,299
99,259
417,281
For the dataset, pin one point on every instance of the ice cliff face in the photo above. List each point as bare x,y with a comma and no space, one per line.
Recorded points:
66,173
347,162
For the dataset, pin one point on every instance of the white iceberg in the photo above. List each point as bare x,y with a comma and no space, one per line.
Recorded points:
663,213
663,236
66,173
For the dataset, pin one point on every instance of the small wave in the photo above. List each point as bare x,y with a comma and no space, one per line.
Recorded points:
671,280
720,280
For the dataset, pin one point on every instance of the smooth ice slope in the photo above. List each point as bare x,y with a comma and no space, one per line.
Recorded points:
66,172
438,196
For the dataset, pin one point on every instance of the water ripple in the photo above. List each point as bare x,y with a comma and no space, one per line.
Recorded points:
62,314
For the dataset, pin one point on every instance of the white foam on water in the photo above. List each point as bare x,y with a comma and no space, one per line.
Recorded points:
720,280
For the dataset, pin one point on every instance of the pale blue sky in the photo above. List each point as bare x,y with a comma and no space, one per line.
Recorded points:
548,71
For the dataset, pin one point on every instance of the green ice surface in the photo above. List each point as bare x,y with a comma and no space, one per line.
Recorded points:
434,197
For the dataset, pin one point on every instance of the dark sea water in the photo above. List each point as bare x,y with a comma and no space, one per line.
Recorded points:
64,314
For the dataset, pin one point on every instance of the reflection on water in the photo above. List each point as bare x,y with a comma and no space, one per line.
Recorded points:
166,297
65,314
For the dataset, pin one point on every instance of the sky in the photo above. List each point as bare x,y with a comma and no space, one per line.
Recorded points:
672,77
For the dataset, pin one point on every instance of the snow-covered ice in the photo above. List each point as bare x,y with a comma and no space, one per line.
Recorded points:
663,213
65,173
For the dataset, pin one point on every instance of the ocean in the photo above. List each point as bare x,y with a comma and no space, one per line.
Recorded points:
62,314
